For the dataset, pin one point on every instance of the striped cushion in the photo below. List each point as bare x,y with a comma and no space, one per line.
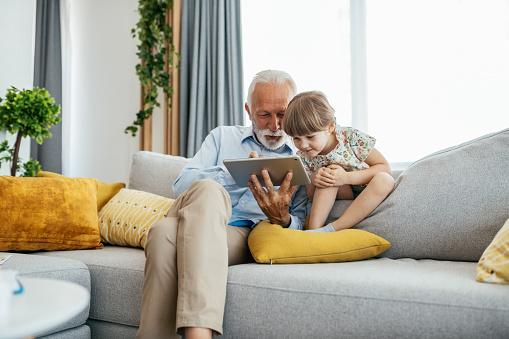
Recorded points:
127,217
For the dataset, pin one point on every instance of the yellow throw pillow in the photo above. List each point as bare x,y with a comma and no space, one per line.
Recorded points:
274,244
48,214
127,217
494,264
105,191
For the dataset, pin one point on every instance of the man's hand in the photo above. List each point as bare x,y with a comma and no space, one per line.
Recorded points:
274,203
254,154
322,178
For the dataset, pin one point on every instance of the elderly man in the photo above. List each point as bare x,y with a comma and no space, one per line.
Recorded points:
206,229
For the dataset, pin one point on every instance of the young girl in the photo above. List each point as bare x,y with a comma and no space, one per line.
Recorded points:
341,162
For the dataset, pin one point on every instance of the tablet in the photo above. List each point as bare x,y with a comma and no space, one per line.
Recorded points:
241,170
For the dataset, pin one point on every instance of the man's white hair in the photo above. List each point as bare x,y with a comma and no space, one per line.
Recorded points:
270,77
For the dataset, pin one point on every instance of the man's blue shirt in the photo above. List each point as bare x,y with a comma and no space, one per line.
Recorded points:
235,142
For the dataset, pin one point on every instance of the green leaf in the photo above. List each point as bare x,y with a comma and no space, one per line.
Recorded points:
29,112
30,168
153,33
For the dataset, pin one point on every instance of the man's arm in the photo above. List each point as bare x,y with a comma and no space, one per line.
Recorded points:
203,166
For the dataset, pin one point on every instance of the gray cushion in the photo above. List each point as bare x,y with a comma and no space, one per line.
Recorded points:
374,298
117,275
448,205
80,332
53,268
155,173
107,330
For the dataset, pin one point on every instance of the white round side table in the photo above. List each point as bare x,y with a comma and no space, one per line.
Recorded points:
44,304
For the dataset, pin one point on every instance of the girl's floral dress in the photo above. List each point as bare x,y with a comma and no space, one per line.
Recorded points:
350,153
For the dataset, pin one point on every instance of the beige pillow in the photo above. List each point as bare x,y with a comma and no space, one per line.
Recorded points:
127,217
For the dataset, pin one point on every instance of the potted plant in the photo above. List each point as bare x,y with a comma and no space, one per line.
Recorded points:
157,56
27,113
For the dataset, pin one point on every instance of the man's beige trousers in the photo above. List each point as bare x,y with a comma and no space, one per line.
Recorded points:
187,257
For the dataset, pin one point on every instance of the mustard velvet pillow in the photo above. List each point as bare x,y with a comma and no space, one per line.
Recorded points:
105,191
48,214
127,217
274,244
493,267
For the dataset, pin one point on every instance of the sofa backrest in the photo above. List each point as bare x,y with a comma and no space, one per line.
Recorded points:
155,172
448,205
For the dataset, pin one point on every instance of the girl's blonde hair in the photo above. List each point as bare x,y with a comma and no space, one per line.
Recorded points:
308,113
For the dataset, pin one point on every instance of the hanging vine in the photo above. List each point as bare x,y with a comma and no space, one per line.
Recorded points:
157,56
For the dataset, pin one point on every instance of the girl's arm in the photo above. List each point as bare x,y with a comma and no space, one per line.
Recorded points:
377,163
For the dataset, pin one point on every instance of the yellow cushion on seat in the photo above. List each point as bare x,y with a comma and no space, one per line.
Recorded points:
271,243
48,214
493,267
127,217
105,191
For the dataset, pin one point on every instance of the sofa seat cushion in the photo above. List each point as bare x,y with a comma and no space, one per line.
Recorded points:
80,332
74,271
117,275
380,298
105,329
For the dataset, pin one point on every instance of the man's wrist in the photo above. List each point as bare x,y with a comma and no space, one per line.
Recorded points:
284,222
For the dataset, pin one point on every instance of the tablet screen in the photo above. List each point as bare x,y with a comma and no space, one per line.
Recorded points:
241,170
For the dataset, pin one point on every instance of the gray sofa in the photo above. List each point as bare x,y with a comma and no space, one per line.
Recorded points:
444,211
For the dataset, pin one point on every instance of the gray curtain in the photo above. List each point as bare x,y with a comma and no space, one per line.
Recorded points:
211,78
48,75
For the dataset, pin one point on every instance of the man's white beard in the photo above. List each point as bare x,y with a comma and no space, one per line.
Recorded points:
270,144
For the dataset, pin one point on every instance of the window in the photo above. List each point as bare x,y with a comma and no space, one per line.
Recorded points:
310,42
436,71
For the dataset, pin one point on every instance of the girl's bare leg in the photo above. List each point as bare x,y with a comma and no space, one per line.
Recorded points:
323,200
375,192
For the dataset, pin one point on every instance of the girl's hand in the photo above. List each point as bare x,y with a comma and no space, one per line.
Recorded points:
322,178
339,174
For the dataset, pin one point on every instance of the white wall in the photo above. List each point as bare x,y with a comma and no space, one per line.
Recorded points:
104,89
101,89
16,57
